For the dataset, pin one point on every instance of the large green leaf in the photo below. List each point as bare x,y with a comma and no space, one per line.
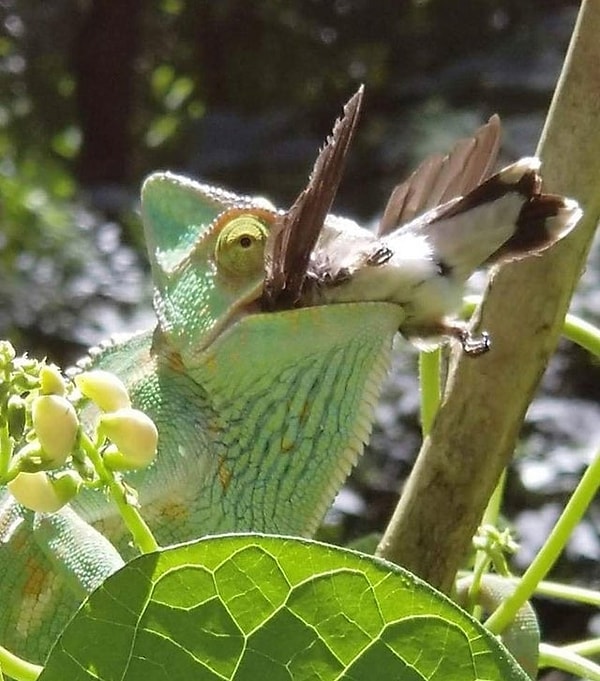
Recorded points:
261,607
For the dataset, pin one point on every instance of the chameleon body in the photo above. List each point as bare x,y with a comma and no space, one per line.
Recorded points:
522,638
262,405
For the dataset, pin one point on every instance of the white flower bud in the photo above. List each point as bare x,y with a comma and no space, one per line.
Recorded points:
51,380
103,388
55,423
40,493
134,435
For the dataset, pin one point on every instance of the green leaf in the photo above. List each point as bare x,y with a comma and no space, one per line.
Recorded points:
248,607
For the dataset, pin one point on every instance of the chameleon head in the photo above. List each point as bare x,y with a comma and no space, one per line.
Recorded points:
210,253
206,248
217,257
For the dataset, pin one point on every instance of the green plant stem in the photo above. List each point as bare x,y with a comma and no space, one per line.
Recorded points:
492,510
141,533
561,658
430,382
17,668
545,559
482,558
589,647
574,594
583,333
5,450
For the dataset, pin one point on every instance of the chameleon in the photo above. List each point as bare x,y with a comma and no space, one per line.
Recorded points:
274,334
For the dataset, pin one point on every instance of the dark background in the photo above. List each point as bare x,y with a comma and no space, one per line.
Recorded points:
94,95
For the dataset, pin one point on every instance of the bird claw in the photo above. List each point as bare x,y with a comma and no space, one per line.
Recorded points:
473,346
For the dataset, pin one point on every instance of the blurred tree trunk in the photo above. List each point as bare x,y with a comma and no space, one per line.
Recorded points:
104,64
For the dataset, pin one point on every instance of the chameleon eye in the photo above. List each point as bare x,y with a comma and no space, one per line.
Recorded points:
241,245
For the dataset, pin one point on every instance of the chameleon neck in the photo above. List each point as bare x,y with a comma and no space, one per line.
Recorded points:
287,427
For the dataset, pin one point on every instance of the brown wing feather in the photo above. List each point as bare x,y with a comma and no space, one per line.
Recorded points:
441,178
295,233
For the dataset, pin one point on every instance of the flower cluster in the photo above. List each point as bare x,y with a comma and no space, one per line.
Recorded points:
46,456
133,435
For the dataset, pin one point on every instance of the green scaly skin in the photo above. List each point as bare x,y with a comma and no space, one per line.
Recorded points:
522,638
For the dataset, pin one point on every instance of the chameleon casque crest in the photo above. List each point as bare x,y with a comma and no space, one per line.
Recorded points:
274,335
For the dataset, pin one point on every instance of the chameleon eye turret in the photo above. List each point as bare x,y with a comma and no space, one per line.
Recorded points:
240,247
